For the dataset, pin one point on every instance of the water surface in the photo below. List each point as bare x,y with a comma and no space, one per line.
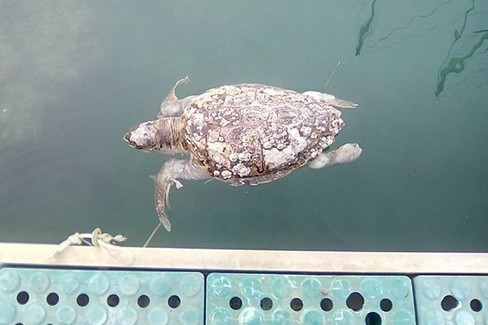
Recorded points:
74,76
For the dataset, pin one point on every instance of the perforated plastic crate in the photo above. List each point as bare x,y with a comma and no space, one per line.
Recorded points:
66,296
451,299
300,299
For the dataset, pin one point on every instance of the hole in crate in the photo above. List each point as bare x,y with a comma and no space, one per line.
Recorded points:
82,300
386,304
266,303
355,301
143,301
476,305
174,301
235,303
22,297
449,303
373,319
326,304
52,299
296,304
113,300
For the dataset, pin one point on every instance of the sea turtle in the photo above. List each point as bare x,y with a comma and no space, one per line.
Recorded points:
243,134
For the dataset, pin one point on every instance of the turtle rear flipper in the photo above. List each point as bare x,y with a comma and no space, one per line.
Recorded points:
346,153
331,100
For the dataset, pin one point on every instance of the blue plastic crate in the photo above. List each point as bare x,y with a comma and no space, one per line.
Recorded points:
66,296
459,300
302,299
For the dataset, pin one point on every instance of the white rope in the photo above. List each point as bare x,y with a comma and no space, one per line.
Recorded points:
151,235
332,74
106,242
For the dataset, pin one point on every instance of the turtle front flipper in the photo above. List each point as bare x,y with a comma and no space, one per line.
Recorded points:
166,177
161,195
171,105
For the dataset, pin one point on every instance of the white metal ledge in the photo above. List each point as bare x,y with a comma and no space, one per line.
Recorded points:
248,260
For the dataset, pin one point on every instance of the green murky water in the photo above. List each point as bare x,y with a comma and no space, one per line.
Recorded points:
74,76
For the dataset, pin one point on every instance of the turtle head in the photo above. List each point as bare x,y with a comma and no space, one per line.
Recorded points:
158,135
142,136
